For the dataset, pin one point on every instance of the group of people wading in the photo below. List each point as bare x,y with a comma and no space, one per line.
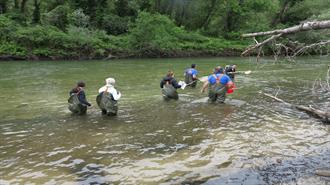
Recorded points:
106,99
219,84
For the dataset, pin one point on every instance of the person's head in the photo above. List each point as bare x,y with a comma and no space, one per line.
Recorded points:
193,65
233,66
81,84
170,74
218,70
110,81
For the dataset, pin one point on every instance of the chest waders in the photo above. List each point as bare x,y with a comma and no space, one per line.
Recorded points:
169,92
188,79
75,106
217,91
107,103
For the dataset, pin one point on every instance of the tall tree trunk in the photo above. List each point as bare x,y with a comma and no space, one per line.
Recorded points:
157,6
23,3
3,6
36,12
279,16
210,11
16,4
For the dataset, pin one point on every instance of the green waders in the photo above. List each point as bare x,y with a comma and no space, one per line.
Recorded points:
107,104
169,92
217,93
75,106
189,80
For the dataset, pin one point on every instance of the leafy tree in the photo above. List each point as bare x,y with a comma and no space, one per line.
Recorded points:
115,25
23,4
154,31
79,19
57,17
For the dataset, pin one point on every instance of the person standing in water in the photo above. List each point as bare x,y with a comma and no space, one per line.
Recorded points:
169,85
77,100
230,71
190,75
218,84
108,97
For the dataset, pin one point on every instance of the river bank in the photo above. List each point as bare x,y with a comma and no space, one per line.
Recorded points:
125,54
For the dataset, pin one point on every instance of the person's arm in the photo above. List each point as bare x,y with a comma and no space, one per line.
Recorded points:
82,98
195,75
115,94
72,91
161,83
102,89
205,85
175,84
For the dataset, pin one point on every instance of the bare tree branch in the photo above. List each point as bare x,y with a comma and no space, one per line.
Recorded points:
249,49
301,50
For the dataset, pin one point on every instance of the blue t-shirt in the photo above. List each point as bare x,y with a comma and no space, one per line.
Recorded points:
224,79
191,71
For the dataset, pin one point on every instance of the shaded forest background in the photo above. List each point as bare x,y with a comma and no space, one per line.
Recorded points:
89,29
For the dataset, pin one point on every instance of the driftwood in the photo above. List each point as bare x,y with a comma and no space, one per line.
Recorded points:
325,173
324,116
315,25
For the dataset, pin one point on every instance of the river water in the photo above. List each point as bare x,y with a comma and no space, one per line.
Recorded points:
251,139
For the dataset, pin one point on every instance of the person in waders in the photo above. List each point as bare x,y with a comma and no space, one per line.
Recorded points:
169,85
108,97
190,75
218,83
230,71
77,100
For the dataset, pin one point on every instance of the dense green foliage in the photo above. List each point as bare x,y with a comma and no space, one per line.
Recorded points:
98,28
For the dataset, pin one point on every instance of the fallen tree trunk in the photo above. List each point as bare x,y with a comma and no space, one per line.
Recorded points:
315,25
324,116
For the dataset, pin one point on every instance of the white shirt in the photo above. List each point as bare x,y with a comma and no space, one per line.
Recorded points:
110,89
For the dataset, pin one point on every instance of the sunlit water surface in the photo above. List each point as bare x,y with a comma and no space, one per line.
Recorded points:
252,139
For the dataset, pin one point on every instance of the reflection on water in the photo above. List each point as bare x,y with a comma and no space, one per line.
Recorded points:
249,140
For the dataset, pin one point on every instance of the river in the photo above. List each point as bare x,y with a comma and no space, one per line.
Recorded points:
251,139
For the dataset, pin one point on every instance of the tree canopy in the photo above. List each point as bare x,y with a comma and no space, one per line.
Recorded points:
154,25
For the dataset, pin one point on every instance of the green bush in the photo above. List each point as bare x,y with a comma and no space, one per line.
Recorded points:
11,48
7,27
